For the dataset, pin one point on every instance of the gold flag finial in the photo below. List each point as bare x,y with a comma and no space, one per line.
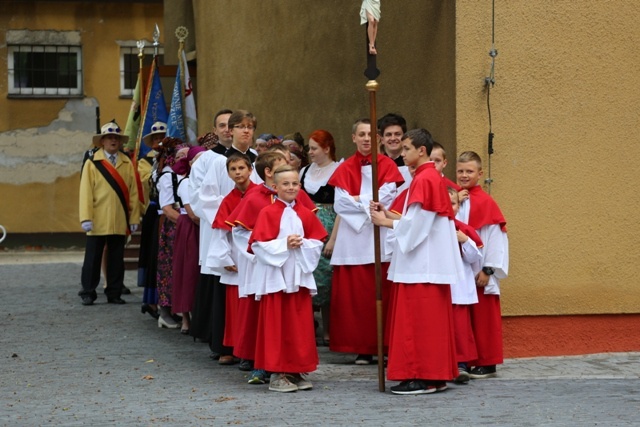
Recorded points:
182,33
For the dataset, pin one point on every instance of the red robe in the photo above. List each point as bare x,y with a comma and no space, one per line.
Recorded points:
246,215
349,177
484,210
486,317
421,337
229,203
353,293
451,184
246,325
268,225
285,339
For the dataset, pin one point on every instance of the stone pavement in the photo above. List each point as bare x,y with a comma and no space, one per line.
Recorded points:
65,364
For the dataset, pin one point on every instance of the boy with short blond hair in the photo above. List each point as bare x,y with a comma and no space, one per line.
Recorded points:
482,213
287,242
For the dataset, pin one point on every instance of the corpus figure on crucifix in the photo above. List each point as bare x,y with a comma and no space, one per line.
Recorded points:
370,12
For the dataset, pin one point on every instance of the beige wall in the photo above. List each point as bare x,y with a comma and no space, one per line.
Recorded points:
298,65
42,140
565,116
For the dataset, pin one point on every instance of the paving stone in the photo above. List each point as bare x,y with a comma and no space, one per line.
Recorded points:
65,364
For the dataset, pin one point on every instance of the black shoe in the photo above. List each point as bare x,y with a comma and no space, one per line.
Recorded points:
246,365
413,387
87,300
481,372
125,290
463,374
214,355
146,308
116,300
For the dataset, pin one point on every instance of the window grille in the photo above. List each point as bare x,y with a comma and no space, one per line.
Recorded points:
45,71
130,65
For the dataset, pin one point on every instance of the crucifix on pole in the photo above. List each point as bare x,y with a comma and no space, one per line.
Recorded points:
370,13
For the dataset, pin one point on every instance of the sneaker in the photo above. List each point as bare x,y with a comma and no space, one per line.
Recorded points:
463,374
364,359
440,386
481,372
258,376
413,387
300,381
246,365
280,382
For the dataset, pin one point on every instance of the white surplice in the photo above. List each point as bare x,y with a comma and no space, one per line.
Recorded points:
354,240
279,268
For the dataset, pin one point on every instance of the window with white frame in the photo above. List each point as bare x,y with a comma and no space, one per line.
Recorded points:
36,70
130,64
44,63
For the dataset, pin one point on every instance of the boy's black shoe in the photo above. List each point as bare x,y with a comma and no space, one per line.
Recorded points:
463,374
481,372
116,300
413,387
246,365
87,300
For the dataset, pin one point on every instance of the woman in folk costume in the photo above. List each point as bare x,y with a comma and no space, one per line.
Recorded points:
314,180
167,185
148,258
186,270
287,241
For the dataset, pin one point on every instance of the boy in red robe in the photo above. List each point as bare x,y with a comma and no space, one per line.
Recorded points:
353,293
482,213
243,220
425,261
287,242
222,256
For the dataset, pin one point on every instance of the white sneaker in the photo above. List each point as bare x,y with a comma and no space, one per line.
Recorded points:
300,381
280,382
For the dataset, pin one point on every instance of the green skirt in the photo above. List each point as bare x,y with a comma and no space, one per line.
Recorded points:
324,272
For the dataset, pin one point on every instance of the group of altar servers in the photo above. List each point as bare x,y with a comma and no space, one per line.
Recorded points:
444,248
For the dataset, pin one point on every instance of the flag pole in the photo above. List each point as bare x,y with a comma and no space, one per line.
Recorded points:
181,34
136,150
372,85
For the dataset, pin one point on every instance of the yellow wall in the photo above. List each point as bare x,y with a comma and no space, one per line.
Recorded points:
565,116
42,185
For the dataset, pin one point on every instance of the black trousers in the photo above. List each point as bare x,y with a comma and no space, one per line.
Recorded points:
90,277
218,318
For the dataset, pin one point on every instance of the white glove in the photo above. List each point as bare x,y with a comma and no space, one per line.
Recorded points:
87,225
133,227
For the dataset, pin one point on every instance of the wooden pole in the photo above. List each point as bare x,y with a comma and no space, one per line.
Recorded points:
372,73
136,150
372,87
